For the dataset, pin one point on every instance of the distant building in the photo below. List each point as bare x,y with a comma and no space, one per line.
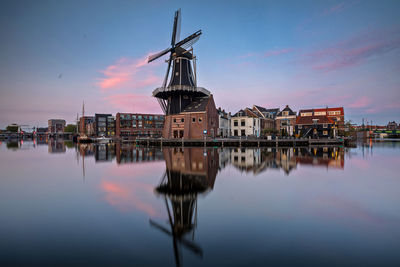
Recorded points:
267,117
392,126
196,121
245,123
139,125
224,123
104,125
335,114
285,121
87,125
56,126
315,127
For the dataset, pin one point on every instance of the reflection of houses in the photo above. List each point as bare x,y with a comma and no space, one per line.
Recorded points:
189,172
329,157
286,160
245,159
104,152
128,153
56,146
224,157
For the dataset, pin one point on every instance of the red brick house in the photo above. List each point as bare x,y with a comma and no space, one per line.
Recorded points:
197,120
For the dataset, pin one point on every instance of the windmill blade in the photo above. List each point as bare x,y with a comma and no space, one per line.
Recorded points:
158,55
188,39
167,74
196,249
176,28
190,43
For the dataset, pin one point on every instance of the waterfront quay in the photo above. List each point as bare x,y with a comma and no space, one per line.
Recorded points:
237,142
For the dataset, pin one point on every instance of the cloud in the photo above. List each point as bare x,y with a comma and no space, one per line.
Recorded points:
353,51
128,73
126,199
129,102
336,8
277,52
362,102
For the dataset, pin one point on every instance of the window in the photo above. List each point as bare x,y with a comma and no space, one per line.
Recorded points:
325,132
300,126
193,119
176,73
243,159
242,132
182,120
174,119
285,113
325,125
200,119
139,117
235,133
242,123
235,123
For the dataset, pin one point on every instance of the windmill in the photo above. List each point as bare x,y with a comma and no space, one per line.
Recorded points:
182,88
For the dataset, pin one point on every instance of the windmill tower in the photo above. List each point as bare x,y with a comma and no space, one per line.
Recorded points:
179,93
182,86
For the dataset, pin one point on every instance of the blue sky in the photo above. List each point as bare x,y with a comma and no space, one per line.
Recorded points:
57,54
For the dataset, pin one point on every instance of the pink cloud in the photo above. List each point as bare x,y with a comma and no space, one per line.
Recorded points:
129,102
360,103
125,199
335,8
128,73
354,51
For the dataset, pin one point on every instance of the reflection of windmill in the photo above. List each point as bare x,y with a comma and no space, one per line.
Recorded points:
182,88
180,194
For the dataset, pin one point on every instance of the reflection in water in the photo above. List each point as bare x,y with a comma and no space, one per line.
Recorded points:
268,216
189,172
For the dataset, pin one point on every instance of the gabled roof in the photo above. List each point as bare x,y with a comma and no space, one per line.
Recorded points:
198,105
246,113
310,120
291,113
261,109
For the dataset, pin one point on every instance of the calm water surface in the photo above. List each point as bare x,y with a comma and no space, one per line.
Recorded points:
120,205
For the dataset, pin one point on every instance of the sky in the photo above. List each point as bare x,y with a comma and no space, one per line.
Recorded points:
306,54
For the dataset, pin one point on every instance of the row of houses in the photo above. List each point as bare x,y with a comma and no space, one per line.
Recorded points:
122,125
248,122
259,121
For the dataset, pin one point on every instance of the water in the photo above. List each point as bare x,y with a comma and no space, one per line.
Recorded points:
120,205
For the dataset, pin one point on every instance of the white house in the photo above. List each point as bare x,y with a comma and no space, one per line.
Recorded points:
245,123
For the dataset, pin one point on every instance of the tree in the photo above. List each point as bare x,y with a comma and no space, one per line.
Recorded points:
269,131
70,128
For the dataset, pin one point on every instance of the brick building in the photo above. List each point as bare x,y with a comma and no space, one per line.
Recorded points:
197,120
56,126
285,121
335,114
315,127
139,125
